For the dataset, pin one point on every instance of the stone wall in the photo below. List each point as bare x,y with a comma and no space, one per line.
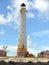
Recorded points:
14,59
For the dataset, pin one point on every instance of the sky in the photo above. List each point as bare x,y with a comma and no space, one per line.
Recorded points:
37,25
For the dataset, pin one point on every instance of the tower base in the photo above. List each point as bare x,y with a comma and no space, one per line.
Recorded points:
22,52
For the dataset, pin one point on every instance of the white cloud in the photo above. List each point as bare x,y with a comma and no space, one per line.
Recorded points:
12,50
8,7
17,3
30,15
2,32
2,20
45,47
1,47
29,41
31,47
33,51
15,10
43,8
6,20
41,33
41,5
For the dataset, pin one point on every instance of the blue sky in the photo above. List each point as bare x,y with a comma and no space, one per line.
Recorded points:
37,23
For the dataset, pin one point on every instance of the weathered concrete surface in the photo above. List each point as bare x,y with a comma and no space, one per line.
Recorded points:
7,59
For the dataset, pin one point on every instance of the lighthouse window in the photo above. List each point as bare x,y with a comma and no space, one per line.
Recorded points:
23,25
20,34
23,32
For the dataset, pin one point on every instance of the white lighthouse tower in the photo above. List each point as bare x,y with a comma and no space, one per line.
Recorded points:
22,40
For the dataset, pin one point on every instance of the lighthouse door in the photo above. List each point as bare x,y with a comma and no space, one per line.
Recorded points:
21,54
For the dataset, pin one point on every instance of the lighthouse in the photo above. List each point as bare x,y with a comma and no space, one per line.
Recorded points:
22,39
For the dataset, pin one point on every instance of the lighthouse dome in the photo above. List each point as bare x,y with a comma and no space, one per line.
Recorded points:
23,4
